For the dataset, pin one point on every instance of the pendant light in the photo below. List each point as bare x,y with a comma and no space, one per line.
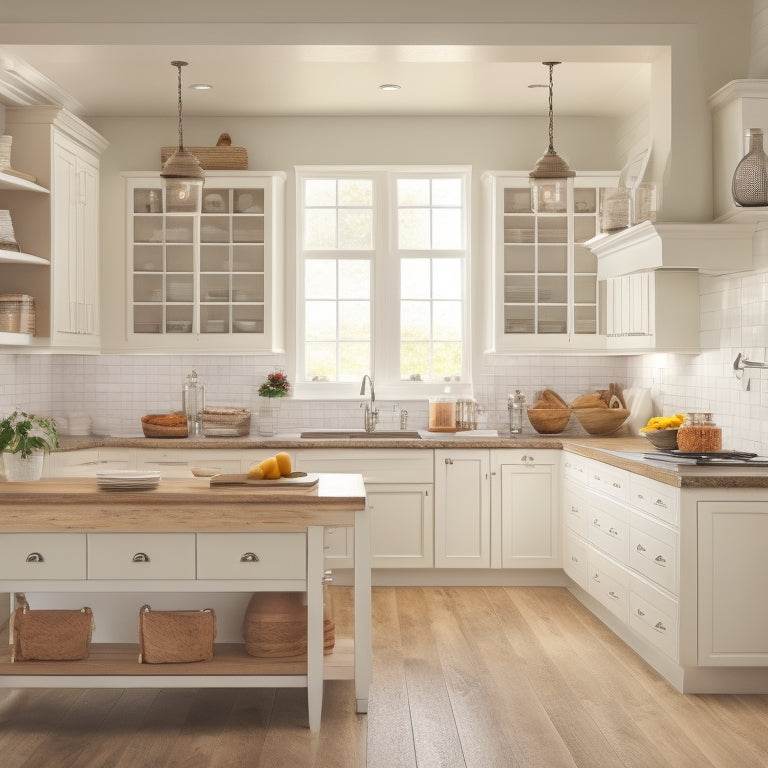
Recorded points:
551,176
182,175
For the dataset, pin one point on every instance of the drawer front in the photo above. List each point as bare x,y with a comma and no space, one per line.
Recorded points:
575,468
575,552
42,556
177,462
575,508
653,557
375,465
657,499
609,585
609,480
608,528
654,617
251,556
141,556
526,457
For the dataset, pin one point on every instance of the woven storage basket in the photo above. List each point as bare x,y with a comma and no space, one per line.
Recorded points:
214,158
275,626
162,430
7,237
51,635
175,637
17,313
223,417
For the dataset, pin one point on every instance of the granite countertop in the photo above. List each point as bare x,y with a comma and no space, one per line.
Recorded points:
623,452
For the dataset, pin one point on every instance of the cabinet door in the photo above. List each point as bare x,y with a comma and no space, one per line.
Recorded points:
732,569
401,526
523,498
462,509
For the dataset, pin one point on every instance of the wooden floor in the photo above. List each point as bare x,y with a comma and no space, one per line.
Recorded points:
476,677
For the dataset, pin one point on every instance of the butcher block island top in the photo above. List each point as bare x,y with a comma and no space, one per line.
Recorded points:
178,504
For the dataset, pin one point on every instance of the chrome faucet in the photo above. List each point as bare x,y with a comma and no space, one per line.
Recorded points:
371,415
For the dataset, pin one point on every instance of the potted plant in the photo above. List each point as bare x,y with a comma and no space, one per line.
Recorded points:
275,387
24,440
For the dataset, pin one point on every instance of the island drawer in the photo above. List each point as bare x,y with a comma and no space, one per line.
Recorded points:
251,556
42,556
141,556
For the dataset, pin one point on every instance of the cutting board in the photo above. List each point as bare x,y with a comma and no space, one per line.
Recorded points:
299,480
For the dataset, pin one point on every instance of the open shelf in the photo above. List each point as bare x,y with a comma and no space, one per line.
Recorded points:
15,257
9,181
121,659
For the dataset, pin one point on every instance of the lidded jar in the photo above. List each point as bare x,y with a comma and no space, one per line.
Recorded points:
442,414
750,179
700,434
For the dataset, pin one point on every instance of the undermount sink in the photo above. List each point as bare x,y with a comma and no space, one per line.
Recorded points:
351,434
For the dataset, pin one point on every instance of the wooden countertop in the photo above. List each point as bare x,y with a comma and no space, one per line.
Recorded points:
78,504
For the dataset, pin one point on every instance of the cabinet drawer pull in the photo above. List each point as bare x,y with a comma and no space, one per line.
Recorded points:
616,485
640,548
640,496
35,557
574,559
596,578
596,477
613,532
613,595
449,461
596,522
660,560
640,612
659,627
249,557
660,503
575,510
140,557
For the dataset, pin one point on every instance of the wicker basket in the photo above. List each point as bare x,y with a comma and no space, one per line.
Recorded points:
162,430
275,626
214,158
50,635
601,421
175,637
549,421
17,313
229,420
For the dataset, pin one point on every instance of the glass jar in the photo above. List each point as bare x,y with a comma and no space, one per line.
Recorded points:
442,414
515,408
193,404
700,434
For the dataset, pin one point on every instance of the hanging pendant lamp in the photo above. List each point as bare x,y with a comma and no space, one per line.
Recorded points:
549,177
182,175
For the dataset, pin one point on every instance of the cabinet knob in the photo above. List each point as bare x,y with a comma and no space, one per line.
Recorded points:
35,557
140,557
249,557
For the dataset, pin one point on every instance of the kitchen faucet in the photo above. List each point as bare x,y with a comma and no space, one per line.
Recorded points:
371,415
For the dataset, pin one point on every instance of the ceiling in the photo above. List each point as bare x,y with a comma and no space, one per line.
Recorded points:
124,80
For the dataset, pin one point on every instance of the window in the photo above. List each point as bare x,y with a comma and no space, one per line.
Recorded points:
382,279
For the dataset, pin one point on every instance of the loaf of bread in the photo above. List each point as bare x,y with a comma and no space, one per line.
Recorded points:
612,397
550,399
177,419
590,400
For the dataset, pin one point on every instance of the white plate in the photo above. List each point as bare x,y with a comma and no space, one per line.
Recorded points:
128,474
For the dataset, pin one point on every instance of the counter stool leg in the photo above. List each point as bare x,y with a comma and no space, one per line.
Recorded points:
315,570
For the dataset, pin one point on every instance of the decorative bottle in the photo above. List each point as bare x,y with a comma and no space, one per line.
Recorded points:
193,403
515,407
750,179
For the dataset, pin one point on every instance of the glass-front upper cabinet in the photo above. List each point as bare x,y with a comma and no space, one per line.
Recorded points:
542,279
211,280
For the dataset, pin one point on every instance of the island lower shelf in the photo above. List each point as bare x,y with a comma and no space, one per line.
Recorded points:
109,660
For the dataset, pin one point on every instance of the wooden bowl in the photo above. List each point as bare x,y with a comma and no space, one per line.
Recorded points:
549,421
663,439
601,421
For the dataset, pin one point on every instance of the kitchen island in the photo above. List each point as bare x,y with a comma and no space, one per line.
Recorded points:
65,535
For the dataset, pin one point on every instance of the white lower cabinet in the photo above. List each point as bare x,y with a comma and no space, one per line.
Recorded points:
398,484
496,508
141,556
732,573
462,508
87,462
176,462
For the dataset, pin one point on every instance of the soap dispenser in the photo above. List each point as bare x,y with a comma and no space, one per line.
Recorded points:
193,403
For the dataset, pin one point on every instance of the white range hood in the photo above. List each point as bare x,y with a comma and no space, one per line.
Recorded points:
713,247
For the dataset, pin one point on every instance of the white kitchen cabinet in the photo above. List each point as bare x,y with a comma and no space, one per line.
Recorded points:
524,509
87,462
210,281
398,484
177,462
541,290
732,572
62,228
462,508
652,311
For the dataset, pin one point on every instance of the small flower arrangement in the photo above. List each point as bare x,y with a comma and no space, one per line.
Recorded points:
664,422
276,385
25,433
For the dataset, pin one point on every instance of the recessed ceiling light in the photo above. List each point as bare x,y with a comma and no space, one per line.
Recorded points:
201,87
389,87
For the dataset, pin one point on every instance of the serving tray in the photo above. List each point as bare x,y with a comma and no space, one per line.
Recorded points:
295,480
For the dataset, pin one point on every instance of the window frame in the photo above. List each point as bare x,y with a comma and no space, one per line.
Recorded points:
385,282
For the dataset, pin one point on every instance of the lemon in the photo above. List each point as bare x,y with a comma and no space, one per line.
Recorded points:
270,468
255,473
283,464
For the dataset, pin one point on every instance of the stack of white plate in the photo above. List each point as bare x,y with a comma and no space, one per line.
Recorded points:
127,480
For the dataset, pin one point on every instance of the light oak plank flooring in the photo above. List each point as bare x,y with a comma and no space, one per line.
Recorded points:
463,677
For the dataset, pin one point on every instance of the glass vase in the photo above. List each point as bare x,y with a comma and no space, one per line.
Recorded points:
750,179
269,411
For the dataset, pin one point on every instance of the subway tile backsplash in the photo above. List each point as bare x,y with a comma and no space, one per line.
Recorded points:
116,390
